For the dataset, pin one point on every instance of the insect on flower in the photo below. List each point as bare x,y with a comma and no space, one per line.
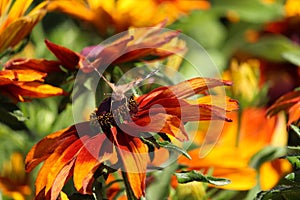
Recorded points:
121,105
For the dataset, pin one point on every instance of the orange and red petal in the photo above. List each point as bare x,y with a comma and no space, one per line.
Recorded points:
134,155
181,90
159,122
47,146
28,90
23,75
97,150
40,65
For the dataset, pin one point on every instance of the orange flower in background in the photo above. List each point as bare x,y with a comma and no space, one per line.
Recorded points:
119,15
229,159
14,182
137,44
14,24
113,137
24,84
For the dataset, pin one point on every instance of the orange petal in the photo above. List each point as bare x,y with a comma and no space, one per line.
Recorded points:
18,30
97,150
271,172
48,145
36,90
182,90
134,154
42,178
23,75
159,122
60,180
64,159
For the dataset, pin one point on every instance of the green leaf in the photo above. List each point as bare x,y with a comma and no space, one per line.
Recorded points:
266,154
171,147
296,129
294,176
272,48
279,193
292,56
186,177
12,116
159,187
254,11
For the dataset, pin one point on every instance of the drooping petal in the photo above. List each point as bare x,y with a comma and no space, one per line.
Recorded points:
67,156
61,179
97,150
134,154
42,178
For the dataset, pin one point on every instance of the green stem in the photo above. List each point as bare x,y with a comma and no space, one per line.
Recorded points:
129,192
239,119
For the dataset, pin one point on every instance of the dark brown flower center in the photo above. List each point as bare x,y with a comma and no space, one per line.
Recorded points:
111,113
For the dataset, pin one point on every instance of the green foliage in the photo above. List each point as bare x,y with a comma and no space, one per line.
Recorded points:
280,46
254,11
186,177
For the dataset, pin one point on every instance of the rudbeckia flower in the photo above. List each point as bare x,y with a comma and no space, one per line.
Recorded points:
14,181
120,15
115,138
231,160
14,24
136,44
24,84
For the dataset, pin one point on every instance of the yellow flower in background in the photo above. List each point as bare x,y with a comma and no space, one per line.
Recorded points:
292,8
118,15
246,79
15,24
14,181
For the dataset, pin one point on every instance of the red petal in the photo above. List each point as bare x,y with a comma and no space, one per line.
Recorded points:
41,65
284,102
68,58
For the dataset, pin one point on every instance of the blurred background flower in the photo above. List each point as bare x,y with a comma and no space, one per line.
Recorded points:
16,22
115,16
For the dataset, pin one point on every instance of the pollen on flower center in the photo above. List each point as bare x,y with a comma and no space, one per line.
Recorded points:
110,113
